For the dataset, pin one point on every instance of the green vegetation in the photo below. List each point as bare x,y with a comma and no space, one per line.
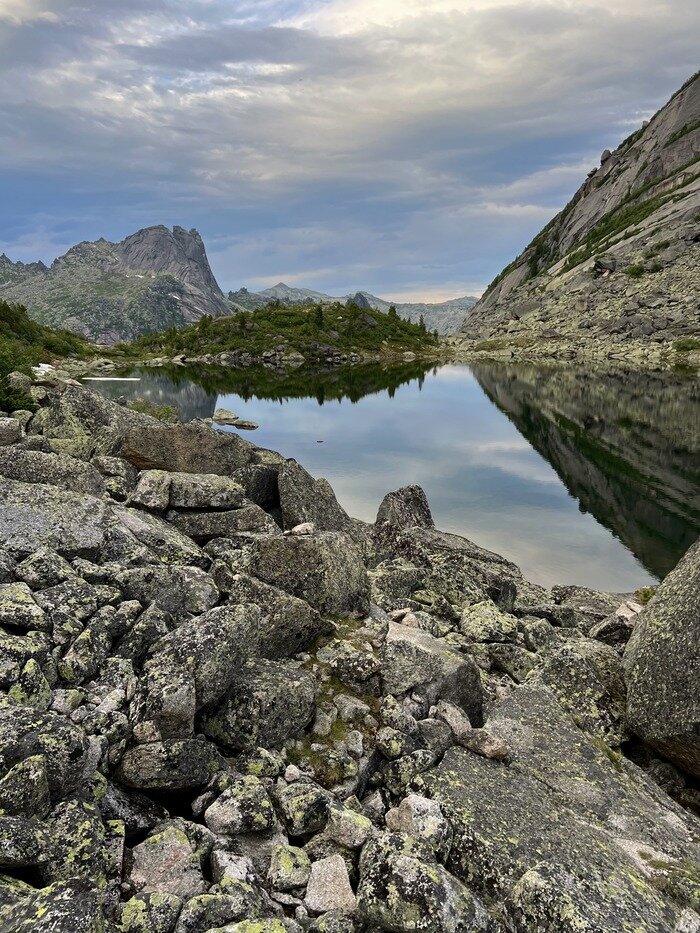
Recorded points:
683,131
23,344
146,407
645,594
635,271
686,345
301,328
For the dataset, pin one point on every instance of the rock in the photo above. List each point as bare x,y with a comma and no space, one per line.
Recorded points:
422,819
289,868
151,913
24,789
167,863
18,608
175,766
59,908
412,659
588,679
243,808
29,466
561,831
484,622
406,508
662,671
306,528
224,416
166,543
22,842
10,431
580,607
159,490
268,703
212,647
304,808
288,624
180,591
185,448
204,526
347,827
208,911
44,569
26,733
329,886
304,499
403,888
326,570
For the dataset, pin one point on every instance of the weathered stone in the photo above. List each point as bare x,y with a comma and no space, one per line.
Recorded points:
329,886
59,908
185,448
167,863
168,544
326,570
18,608
209,911
204,526
304,808
243,808
403,888
151,913
662,667
179,591
22,842
68,473
268,703
484,622
412,659
406,508
175,766
422,819
305,499
44,569
24,790
10,431
289,868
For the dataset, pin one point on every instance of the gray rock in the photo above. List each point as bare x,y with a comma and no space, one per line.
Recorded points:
180,591
305,499
484,622
304,808
185,448
406,508
167,863
23,842
662,667
166,543
289,868
329,886
151,913
326,570
10,431
169,766
58,908
412,659
68,473
244,807
422,819
18,608
44,569
204,526
403,888
159,490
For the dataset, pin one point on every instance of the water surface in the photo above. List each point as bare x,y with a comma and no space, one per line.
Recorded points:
578,477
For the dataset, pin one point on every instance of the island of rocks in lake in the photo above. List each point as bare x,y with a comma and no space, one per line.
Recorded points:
228,707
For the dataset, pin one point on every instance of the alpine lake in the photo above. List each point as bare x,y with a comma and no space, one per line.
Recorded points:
580,477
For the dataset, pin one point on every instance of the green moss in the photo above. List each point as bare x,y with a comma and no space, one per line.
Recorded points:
645,594
615,758
635,271
161,412
686,345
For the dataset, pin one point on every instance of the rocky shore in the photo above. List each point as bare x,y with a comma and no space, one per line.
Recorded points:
228,707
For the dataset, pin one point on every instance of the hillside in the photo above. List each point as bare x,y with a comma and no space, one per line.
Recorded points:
318,330
446,317
620,263
154,279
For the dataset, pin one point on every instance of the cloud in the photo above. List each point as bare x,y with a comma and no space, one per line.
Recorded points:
426,140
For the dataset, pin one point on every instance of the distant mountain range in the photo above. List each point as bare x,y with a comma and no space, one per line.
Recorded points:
154,279
159,278
446,317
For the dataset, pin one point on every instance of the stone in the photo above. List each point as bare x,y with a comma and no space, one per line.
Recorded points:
243,808
24,789
403,888
326,570
184,765
347,827
58,908
167,863
484,622
304,808
23,842
587,677
184,448
268,703
406,508
204,526
151,913
413,659
209,911
288,624
30,466
164,541
44,569
159,490
289,868
329,886
561,830
304,499
662,667
179,591
19,610
10,431
422,819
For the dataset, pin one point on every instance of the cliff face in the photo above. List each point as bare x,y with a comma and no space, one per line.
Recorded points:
620,261
155,278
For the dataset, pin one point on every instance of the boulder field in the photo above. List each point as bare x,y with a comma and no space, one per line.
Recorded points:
228,707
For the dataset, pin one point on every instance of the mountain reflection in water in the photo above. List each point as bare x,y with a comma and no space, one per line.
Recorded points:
579,476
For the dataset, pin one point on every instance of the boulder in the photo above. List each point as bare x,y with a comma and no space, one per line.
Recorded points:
402,888
167,863
569,834
185,448
204,526
406,508
23,842
326,570
305,499
412,659
329,886
268,703
159,491
151,913
662,667
289,868
10,431
184,765
68,473
19,610
58,908
163,541
244,807
180,591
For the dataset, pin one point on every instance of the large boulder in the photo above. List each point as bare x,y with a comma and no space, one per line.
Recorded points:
415,660
662,667
406,508
325,569
159,490
568,835
180,591
30,466
170,766
185,448
305,499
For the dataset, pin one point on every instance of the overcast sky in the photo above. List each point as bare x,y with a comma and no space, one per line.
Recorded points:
406,147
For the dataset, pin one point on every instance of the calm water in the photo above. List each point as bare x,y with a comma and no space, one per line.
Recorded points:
578,478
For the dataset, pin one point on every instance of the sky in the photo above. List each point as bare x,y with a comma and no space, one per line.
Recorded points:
410,148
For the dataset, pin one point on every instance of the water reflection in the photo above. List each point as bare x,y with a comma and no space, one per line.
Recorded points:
579,477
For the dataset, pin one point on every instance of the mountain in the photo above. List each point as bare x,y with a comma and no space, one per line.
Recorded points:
446,317
154,279
621,262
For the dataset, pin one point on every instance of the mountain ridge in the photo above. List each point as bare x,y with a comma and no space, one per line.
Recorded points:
619,262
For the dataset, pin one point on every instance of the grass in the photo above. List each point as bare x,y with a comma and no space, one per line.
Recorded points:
23,344
161,412
644,595
686,344
635,271
307,329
